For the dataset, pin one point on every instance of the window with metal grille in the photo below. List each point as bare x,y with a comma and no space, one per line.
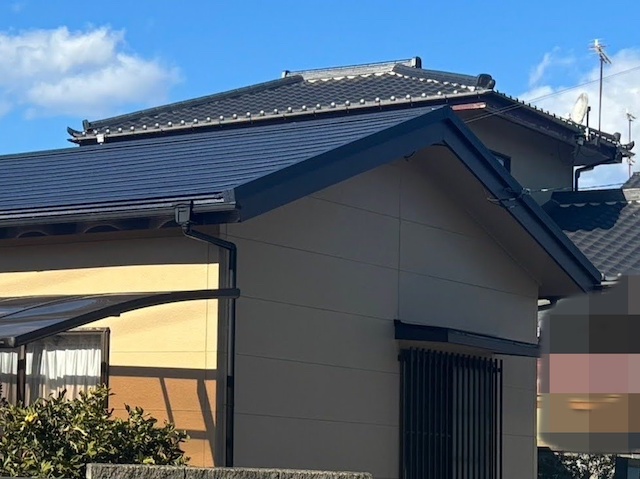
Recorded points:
451,418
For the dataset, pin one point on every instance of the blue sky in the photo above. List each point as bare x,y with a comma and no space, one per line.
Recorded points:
61,62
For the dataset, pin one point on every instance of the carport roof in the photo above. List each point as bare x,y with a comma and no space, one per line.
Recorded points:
27,319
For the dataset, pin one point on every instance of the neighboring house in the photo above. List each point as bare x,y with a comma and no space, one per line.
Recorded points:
389,269
605,225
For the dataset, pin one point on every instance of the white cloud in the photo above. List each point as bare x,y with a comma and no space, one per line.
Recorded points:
87,73
538,71
549,61
621,92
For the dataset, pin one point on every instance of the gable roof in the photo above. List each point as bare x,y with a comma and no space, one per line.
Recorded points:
604,224
335,91
237,173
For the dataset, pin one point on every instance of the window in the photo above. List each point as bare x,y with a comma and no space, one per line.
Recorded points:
76,361
451,419
504,160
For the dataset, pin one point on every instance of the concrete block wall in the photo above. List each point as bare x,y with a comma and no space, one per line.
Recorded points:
122,471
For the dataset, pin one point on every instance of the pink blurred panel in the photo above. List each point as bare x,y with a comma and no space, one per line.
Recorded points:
609,373
633,373
568,373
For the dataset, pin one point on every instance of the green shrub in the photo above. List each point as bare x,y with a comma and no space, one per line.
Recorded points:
56,437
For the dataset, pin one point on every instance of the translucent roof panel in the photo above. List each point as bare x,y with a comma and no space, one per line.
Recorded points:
27,319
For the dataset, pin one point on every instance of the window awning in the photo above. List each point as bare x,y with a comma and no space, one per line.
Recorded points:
27,319
438,334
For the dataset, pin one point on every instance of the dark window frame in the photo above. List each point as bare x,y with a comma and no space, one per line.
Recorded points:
105,336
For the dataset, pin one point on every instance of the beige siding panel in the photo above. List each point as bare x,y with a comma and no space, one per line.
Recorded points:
297,277
263,441
317,370
424,202
164,393
377,190
519,457
536,161
519,412
98,254
475,261
333,229
295,333
310,391
433,301
164,359
212,313
107,279
168,327
519,372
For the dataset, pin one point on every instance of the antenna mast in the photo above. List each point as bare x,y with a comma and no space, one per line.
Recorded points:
630,118
599,49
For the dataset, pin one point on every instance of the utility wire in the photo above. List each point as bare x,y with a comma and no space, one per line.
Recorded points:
548,95
570,188
509,201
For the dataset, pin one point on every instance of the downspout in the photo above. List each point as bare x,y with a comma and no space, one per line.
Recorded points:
183,219
578,172
582,169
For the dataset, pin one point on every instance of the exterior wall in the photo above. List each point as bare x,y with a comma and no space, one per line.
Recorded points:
162,358
537,161
322,279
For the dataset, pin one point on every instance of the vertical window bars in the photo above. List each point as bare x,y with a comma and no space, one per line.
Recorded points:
451,416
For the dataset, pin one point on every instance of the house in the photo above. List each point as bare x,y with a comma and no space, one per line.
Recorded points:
592,385
287,270
603,224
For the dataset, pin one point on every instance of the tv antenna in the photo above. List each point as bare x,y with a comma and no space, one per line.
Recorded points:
599,49
630,118
580,108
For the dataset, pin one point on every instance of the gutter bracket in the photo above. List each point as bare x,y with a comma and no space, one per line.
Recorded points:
183,214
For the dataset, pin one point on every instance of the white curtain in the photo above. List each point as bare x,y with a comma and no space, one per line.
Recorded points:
9,374
70,362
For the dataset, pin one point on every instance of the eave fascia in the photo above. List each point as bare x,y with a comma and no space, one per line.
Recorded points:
549,124
529,214
137,216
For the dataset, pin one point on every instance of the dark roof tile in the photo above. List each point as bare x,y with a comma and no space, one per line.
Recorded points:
604,224
308,88
633,182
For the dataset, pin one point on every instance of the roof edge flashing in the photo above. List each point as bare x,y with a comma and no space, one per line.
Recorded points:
440,334
531,216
